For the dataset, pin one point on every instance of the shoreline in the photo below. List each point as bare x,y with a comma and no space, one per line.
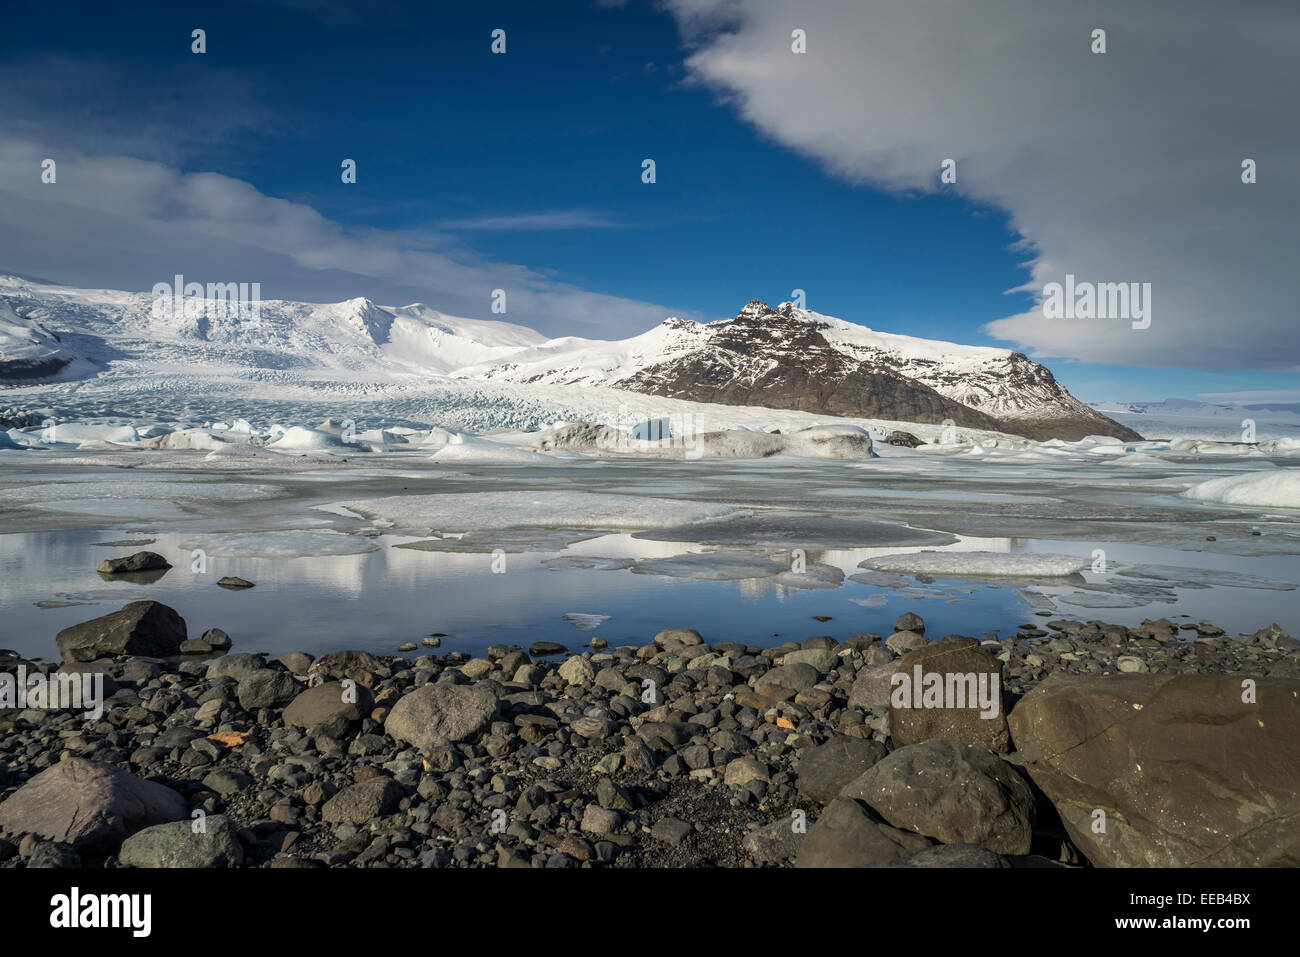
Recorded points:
674,753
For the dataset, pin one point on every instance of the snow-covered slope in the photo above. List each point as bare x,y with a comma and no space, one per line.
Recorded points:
784,358
1193,419
27,349
356,337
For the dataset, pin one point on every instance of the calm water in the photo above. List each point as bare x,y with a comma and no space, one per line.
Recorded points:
377,600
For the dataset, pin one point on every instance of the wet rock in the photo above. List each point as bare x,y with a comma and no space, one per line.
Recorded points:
146,628
139,562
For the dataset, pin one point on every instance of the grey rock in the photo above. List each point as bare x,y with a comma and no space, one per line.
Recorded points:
210,842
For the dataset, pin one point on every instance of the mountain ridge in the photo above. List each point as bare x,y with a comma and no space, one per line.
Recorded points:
782,358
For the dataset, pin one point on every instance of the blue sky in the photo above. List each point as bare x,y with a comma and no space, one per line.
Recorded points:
533,159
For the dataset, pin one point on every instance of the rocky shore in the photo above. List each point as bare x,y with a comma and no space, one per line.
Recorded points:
1096,745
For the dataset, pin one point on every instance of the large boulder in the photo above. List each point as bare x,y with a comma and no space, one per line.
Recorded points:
824,770
851,835
1168,770
967,673
89,805
147,628
953,792
435,715
327,702
213,843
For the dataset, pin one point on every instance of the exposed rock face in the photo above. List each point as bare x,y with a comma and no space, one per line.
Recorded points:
146,628
953,792
765,358
792,358
90,805
1185,771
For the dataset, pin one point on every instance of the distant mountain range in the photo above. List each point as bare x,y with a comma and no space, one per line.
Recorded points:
782,358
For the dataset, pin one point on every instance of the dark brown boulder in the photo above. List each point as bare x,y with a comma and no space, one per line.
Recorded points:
146,628
1168,770
966,671
953,792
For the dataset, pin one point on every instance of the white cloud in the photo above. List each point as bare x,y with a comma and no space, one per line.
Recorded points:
121,222
532,222
1119,167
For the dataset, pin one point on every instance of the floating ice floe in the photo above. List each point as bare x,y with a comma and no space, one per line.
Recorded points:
979,564
583,621
1277,488
1178,576
288,543
513,540
475,511
711,566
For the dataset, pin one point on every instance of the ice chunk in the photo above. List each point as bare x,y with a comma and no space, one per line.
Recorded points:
979,564
816,575
801,530
592,562
465,450
583,621
1278,488
474,511
1179,576
712,566
298,439
289,543
513,540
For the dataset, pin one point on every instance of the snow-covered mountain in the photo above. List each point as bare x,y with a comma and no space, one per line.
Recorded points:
783,358
795,358
1192,418
358,338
